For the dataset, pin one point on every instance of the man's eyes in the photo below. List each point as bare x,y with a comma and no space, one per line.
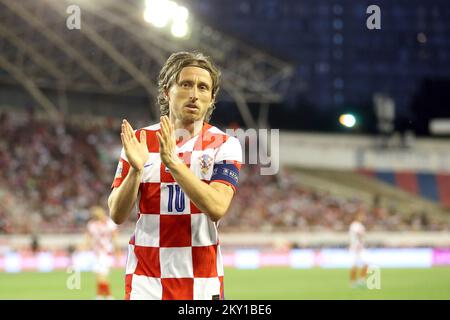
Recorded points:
189,85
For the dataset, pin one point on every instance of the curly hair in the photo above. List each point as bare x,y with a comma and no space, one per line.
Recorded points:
171,71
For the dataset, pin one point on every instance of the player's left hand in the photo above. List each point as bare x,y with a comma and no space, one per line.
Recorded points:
167,144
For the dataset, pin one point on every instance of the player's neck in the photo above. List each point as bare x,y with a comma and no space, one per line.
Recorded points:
192,128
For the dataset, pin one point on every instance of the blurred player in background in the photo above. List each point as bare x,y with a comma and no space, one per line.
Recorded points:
183,174
359,265
101,237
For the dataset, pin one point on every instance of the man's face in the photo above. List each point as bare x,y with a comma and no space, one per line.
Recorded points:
191,96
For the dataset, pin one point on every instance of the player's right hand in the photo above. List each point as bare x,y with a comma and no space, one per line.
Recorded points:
136,151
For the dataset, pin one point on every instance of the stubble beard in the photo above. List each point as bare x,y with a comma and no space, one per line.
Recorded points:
190,118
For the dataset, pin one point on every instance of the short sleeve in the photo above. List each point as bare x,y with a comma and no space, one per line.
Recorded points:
227,163
122,170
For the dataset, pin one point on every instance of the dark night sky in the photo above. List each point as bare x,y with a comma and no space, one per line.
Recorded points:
339,63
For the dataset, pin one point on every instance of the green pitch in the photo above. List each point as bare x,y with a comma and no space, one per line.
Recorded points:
266,283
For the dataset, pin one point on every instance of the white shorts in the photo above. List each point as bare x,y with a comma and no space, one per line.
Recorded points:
103,264
359,258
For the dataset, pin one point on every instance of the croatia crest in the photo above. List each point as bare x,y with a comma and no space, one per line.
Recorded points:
205,162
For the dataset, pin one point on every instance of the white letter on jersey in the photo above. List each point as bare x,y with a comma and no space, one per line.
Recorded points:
74,20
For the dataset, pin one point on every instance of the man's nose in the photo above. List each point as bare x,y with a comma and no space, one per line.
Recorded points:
194,94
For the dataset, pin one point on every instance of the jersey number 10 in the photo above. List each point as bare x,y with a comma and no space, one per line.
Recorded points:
179,198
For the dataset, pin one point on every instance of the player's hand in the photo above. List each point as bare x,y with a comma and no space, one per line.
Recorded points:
167,144
136,151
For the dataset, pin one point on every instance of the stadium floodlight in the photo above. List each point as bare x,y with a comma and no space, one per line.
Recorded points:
180,14
179,30
161,13
439,126
347,120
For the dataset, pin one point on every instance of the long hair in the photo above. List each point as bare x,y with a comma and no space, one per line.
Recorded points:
171,70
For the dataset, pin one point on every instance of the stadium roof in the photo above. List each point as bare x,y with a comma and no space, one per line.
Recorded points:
117,52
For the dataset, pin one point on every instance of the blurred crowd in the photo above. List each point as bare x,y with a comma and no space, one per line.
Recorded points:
52,173
279,202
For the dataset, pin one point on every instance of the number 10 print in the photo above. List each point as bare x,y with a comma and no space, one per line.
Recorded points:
179,198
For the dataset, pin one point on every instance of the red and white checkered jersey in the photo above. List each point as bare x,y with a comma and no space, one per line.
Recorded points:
102,234
174,252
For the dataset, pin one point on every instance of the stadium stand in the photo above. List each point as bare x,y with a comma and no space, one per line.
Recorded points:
53,172
435,187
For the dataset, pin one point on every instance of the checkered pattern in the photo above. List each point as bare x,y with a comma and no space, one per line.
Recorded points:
102,234
175,252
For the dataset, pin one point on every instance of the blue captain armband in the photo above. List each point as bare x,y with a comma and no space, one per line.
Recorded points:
226,172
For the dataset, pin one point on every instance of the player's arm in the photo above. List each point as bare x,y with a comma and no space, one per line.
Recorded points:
213,199
122,198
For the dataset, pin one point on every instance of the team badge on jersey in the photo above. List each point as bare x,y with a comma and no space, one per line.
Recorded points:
205,162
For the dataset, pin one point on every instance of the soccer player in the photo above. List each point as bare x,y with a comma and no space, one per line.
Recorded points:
101,236
357,233
181,174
